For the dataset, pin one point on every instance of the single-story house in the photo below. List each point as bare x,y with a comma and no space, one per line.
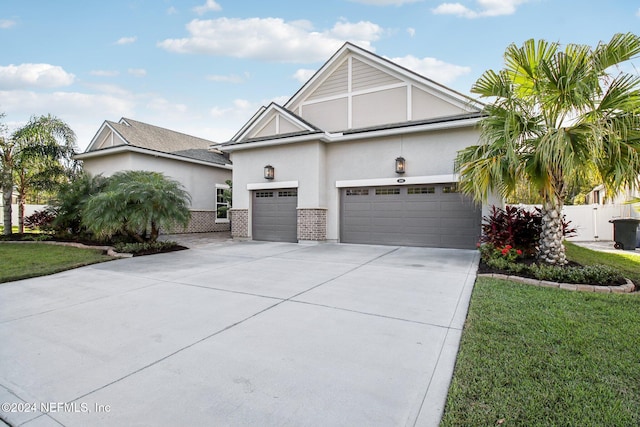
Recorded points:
202,170
361,153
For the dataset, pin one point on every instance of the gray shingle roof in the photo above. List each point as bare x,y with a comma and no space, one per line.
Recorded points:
155,138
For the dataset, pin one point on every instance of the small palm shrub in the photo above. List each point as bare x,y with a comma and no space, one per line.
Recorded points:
137,204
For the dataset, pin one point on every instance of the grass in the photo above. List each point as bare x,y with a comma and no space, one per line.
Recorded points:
628,264
539,356
21,261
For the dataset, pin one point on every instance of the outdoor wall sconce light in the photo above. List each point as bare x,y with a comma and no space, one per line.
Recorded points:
269,172
400,165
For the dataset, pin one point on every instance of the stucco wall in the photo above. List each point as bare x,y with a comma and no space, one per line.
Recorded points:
317,166
199,180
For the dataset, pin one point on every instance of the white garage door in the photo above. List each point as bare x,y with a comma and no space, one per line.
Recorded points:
275,217
433,215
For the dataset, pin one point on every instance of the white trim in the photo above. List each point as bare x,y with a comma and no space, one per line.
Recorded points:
355,93
275,108
272,185
409,102
223,186
349,94
130,148
365,135
410,180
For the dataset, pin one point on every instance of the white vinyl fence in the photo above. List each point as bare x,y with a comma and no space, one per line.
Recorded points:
592,221
28,210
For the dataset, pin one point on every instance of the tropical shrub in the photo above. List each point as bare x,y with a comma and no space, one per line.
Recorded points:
43,220
146,247
71,200
516,227
137,204
512,226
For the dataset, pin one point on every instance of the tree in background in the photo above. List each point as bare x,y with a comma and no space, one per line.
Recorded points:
556,118
36,156
137,204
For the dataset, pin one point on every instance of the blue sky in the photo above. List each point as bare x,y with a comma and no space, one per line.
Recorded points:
204,67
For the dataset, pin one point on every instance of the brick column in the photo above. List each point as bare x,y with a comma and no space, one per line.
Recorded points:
312,224
239,222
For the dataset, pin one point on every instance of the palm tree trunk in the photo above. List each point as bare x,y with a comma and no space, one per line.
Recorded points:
551,246
7,191
21,215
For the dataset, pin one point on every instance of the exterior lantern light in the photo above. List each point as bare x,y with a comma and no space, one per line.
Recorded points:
400,165
269,172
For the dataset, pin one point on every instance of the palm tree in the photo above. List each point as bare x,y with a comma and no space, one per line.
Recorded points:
138,204
556,117
35,156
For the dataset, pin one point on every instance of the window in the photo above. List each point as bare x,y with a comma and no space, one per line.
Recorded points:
387,191
421,190
222,206
450,189
262,194
288,193
357,192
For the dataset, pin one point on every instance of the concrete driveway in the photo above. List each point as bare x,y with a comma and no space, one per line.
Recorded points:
238,334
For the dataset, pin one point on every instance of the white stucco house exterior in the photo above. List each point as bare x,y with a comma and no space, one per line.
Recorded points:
361,153
132,145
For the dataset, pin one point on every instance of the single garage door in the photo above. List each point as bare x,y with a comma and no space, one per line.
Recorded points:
274,215
434,215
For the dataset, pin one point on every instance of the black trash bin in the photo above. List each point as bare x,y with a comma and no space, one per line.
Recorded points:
624,233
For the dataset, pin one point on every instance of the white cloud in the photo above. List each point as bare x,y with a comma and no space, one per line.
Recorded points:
172,11
433,68
411,31
638,12
303,75
385,2
34,75
126,40
271,38
138,72
233,78
485,8
209,6
104,73
6,23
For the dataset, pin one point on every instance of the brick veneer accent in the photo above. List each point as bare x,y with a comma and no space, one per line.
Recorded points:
239,222
201,222
312,224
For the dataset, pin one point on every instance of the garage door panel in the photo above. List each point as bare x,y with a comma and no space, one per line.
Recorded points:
275,215
414,216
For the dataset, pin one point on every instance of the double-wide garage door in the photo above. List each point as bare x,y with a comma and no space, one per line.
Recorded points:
275,215
433,215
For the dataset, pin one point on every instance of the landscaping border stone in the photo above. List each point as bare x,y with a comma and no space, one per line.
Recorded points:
622,289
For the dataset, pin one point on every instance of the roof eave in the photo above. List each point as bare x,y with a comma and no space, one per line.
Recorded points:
131,148
351,136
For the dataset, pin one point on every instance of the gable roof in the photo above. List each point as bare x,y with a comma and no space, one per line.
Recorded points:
354,50
275,112
358,94
140,137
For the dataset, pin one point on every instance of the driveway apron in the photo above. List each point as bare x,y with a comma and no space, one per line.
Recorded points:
238,334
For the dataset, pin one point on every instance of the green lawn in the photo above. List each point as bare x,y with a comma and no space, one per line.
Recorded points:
532,356
21,261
